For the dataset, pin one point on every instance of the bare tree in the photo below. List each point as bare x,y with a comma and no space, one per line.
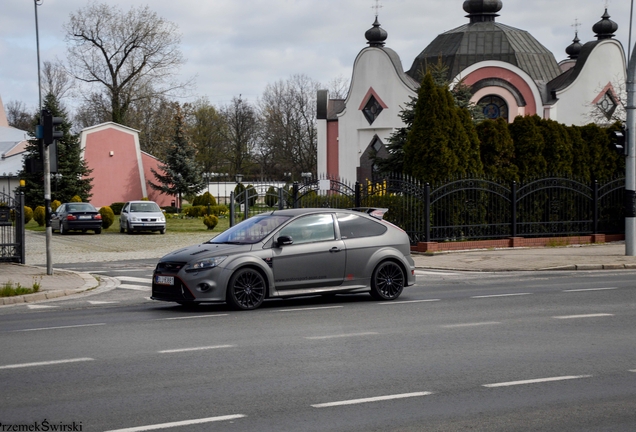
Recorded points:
241,135
56,80
288,109
18,116
208,132
130,56
338,87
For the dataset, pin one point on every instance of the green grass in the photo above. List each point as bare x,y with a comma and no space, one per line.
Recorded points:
172,225
8,289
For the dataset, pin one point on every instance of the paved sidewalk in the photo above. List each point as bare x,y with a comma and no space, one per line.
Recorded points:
608,256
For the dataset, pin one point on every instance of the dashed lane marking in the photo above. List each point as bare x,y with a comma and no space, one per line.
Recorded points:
46,363
584,316
179,350
536,381
371,399
180,423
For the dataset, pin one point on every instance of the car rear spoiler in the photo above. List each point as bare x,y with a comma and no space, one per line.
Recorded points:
376,212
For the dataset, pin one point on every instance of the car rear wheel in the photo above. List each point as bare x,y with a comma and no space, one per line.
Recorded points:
62,230
246,289
98,231
387,281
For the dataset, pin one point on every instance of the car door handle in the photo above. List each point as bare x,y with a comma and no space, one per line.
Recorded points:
334,249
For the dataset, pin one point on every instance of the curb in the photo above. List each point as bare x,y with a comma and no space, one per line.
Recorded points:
571,267
90,283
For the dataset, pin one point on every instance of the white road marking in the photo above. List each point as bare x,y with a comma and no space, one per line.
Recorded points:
342,335
95,302
309,309
590,289
192,317
195,349
583,316
61,327
408,301
180,423
536,381
135,287
46,363
633,370
501,295
371,399
471,324
134,279
112,271
40,306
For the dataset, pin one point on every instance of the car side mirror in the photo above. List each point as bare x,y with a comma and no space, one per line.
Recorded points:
284,241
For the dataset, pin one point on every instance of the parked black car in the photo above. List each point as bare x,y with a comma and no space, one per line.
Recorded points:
76,216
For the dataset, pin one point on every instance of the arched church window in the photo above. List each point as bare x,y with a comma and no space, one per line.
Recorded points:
494,107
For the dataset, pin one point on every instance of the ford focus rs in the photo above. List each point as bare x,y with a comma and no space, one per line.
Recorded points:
289,253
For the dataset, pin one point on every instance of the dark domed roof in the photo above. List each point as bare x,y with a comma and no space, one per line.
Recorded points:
605,28
484,39
574,49
376,35
482,10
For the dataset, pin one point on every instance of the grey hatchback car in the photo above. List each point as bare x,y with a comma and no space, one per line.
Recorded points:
289,253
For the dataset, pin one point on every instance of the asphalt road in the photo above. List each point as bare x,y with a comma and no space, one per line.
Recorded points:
459,351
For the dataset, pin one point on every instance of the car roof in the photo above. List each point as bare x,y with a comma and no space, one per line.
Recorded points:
140,201
303,211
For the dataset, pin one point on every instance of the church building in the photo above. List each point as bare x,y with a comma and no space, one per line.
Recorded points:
509,72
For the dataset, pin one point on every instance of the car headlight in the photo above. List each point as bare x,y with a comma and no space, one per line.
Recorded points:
206,263
162,219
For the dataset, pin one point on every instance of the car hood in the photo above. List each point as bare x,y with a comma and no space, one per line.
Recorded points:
204,250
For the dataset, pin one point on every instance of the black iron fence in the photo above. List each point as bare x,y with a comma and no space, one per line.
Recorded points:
12,234
461,209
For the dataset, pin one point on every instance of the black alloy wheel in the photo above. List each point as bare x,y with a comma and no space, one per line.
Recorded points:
246,290
387,281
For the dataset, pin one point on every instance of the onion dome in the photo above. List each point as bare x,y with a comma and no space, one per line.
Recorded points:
605,28
482,10
574,49
376,35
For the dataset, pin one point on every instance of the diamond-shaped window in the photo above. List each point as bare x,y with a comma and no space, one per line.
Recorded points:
607,105
372,109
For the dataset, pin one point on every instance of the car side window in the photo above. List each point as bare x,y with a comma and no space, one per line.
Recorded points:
354,226
309,229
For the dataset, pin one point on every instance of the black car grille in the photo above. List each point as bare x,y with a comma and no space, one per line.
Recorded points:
169,267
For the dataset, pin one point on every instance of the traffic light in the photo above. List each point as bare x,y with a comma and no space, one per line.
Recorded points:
49,123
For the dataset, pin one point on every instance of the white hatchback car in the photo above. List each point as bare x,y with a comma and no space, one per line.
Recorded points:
142,216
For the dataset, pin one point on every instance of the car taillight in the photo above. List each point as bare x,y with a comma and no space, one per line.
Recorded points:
98,216
70,218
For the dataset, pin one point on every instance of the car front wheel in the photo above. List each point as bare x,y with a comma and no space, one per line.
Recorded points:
246,290
387,281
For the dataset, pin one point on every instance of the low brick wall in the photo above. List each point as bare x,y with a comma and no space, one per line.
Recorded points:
515,242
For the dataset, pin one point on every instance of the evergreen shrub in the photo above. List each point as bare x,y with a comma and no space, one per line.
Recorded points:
116,207
108,216
39,215
211,221
55,204
76,198
28,214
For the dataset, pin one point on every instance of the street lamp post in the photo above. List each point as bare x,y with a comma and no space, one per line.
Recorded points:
630,160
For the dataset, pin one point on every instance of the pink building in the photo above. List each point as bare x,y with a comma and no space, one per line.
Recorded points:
121,171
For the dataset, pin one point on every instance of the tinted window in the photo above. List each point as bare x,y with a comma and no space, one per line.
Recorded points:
354,226
309,229
251,230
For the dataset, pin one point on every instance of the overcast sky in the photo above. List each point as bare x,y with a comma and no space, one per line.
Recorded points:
237,47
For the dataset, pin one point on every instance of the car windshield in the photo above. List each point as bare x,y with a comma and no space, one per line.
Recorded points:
251,230
145,207
80,207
